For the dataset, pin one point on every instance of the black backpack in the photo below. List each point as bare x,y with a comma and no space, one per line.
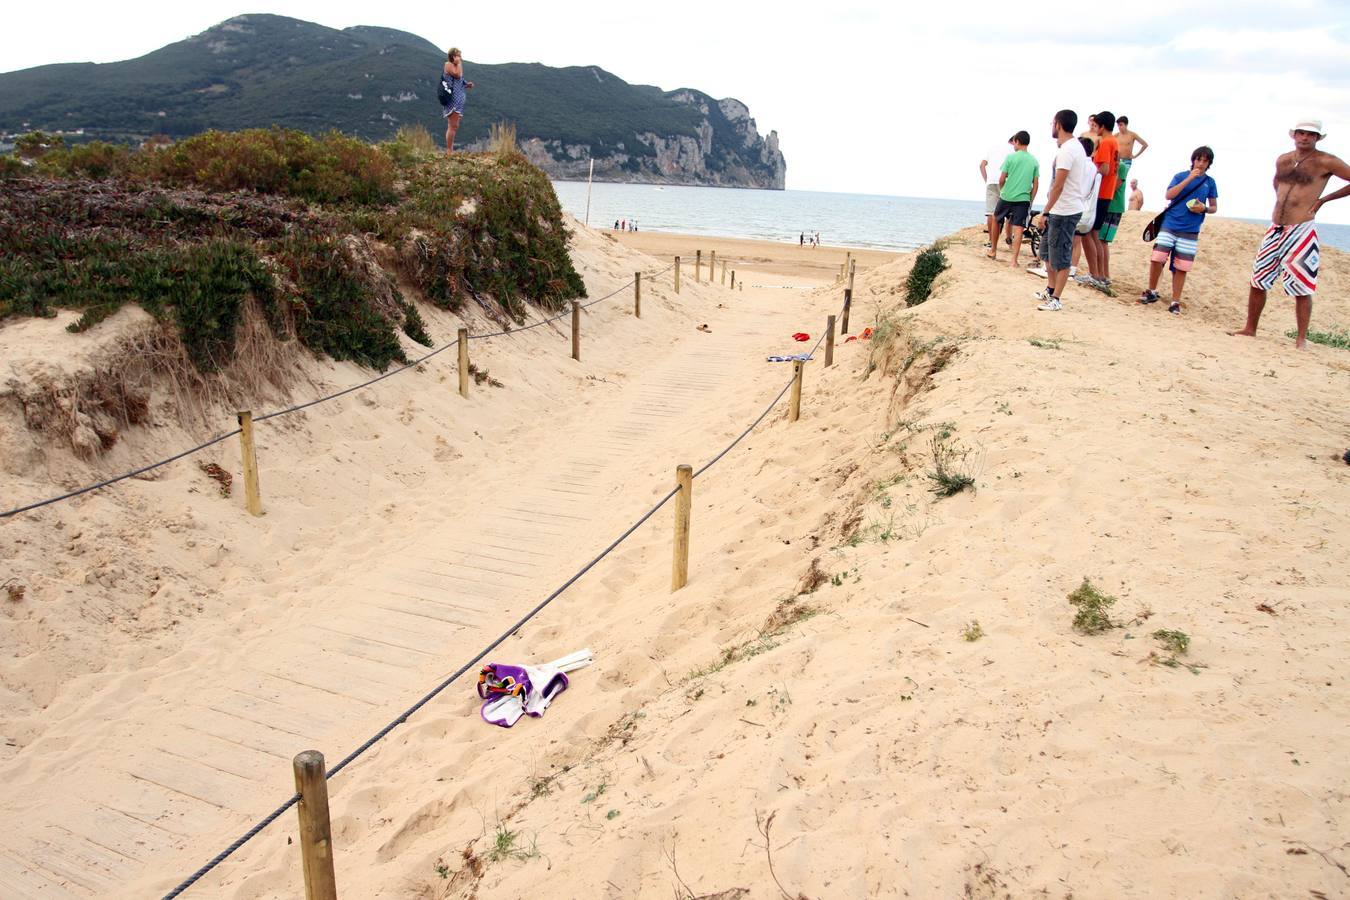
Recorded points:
443,90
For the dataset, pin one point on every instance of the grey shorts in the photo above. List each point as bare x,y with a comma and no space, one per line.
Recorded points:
990,198
1057,247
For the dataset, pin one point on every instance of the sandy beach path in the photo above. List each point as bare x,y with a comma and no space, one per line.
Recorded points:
166,765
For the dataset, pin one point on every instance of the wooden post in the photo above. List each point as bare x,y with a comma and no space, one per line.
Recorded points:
316,831
724,271
576,331
637,295
464,362
252,496
677,274
795,409
829,341
698,264
848,304
684,504
852,267
733,279
712,266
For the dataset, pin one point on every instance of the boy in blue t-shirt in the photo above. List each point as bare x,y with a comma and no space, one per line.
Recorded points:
1194,195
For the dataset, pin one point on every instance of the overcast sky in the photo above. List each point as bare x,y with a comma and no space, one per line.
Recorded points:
872,97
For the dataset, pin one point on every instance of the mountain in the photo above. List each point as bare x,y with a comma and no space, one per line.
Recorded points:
261,70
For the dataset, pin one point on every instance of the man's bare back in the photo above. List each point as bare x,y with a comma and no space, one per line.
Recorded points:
1300,179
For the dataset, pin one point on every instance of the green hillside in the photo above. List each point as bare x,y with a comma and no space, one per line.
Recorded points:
264,70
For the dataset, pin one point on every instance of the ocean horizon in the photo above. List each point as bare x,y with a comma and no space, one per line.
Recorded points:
869,221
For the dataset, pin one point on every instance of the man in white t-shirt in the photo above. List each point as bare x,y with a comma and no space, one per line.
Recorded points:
1063,208
991,168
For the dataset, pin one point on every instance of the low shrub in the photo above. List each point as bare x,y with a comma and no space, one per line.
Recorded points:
1093,616
95,160
928,265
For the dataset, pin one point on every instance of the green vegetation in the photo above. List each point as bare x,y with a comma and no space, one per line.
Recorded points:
951,473
928,265
1093,609
1335,338
191,231
973,631
1044,344
505,845
1174,642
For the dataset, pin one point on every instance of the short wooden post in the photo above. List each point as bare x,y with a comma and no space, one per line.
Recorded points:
733,279
698,264
316,831
724,271
637,295
712,266
840,276
464,362
252,495
795,409
684,504
677,274
848,304
829,341
576,331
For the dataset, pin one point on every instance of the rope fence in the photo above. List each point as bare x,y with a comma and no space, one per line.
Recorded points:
302,406
682,487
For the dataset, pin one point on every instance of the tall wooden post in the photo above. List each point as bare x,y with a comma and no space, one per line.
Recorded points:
637,295
829,341
795,408
464,362
852,267
712,266
848,304
733,279
724,272
252,495
576,331
698,264
677,274
684,504
316,831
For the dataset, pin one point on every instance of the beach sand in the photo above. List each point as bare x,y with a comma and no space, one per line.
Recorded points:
808,716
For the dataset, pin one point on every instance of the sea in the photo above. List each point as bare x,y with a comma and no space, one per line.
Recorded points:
843,220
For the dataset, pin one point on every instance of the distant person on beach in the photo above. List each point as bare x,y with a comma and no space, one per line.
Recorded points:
990,167
616,224
1090,132
456,92
1019,182
1136,195
1106,158
1194,195
1063,208
815,241
801,241
1127,139
1291,241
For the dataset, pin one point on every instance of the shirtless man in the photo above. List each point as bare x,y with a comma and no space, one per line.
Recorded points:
1136,195
1291,242
1127,139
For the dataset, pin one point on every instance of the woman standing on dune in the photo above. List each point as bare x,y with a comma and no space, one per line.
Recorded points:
453,93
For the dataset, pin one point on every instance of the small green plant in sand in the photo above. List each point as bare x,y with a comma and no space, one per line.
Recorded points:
541,785
1047,344
506,845
973,632
928,265
502,138
951,473
592,796
1175,644
1093,609
1337,338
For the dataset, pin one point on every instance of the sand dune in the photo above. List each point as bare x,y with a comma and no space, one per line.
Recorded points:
1192,475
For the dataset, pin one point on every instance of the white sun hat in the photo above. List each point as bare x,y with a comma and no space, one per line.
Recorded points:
1307,123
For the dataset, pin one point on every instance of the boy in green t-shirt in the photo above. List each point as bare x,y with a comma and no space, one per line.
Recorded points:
1018,185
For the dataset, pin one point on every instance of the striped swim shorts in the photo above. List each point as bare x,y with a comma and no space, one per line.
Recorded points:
1293,248
1180,247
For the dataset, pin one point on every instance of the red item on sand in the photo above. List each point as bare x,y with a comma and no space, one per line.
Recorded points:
801,336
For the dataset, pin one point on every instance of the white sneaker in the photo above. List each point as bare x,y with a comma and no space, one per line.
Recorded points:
1085,279
1073,270
1042,294
1051,305
1039,272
